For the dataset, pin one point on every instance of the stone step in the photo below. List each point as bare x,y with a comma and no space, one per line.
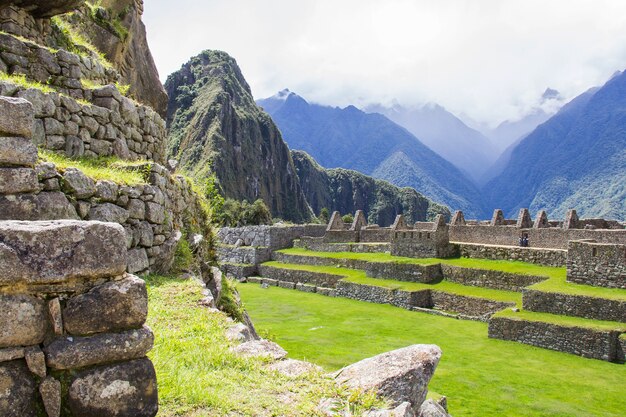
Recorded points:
574,305
576,336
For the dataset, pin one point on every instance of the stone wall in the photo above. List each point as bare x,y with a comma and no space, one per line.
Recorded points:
575,305
318,244
597,264
540,256
465,305
381,295
154,214
552,237
319,279
488,278
112,125
589,343
72,333
273,237
319,260
243,254
404,272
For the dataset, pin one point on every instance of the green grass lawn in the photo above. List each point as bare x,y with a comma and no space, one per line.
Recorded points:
480,376
198,376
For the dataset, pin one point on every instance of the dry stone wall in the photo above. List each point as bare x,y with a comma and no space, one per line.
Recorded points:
318,244
467,306
153,214
553,237
488,278
575,305
597,264
112,126
273,237
72,333
589,343
540,256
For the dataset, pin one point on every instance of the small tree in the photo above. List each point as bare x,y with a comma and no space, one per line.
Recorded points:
348,218
324,216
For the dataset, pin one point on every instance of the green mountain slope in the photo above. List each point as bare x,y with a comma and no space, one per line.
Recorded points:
216,128
577,159
352,139
346,191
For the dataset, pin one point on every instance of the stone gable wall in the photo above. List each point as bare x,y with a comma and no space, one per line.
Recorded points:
597,264
72,323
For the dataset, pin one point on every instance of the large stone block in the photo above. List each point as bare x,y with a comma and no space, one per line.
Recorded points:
79,352
17,117
400,375
124,390
18,180
75,182
18,391
17,151
116,305
137,260
56,251
22,320
42,206
108,212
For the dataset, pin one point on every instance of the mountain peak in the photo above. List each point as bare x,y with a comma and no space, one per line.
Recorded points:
550,94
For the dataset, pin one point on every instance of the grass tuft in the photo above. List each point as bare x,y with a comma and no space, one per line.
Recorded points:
102,168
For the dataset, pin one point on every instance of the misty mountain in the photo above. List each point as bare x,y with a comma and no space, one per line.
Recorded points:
444,133
576,159
372,144
509,132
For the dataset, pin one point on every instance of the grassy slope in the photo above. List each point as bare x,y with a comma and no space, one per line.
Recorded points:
480,376
199,376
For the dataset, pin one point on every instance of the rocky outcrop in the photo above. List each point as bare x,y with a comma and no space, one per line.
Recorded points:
115,28
216,128
45,8
347,191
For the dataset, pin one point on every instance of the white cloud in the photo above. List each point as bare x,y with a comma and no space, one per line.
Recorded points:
489,59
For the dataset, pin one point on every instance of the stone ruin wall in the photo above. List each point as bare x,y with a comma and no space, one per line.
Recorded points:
75,119
72,333
154,214
598,264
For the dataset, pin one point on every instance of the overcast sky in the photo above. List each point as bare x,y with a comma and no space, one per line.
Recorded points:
489,59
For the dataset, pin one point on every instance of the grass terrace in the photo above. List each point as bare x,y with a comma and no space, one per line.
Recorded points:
480,376
359,277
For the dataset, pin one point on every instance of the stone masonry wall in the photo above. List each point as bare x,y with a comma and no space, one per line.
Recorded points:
273,237
488,278
552,237
72,333
31,191
318,244
404,272
540,256
589,343
575,305
318,279
468,306
381,295
113,126
597,264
